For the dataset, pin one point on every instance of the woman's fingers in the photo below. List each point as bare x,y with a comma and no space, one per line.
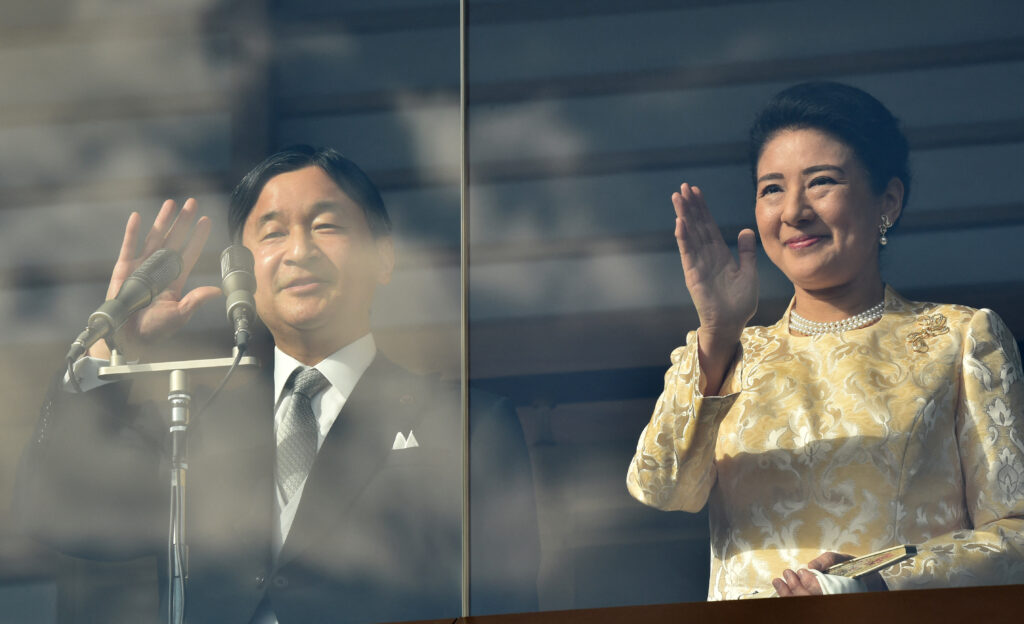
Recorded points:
746,246
793,583
698,217
808,583
826,560
697,234
690,229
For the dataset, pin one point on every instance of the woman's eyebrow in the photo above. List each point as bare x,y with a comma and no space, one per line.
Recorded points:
817,168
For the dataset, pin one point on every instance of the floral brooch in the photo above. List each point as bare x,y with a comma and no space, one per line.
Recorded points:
929,327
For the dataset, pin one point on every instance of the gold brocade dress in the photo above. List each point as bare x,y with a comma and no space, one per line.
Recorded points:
909,431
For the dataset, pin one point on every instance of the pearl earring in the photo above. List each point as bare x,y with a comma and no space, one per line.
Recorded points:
882,229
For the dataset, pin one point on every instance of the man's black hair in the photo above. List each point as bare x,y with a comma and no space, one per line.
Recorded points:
345,173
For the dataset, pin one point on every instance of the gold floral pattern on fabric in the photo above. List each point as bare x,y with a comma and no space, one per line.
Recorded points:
931,326
850,443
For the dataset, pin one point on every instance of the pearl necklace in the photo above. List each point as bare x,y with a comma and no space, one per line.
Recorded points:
813,328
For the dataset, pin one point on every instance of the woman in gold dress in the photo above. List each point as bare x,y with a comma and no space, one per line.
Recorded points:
860,420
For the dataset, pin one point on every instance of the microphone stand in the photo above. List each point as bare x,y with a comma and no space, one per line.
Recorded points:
179,400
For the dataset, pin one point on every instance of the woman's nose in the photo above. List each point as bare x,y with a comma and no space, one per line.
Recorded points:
797,209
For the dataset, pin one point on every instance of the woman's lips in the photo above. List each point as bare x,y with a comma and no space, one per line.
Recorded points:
802,242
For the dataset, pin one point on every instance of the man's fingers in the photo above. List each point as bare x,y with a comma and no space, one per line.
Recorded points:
179,234
190,254
161,225
195,298
125,263
131,238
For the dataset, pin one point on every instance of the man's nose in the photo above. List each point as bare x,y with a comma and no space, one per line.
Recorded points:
301,246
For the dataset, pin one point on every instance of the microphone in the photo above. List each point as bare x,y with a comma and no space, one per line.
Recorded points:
239,281
137,292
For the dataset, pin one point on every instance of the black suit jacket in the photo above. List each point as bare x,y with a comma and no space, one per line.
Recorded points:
376,536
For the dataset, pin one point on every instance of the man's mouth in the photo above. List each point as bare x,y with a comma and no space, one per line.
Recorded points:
302,284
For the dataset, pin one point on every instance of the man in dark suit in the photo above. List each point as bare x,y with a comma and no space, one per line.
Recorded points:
335,502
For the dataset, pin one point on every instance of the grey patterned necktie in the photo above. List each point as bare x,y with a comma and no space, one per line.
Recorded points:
298,431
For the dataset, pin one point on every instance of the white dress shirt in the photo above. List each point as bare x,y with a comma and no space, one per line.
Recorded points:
343,368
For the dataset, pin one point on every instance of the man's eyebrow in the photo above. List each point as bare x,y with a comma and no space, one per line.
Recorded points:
324,205
327,205
267,217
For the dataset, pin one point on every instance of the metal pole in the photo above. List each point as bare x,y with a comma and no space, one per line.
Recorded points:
177,544
464,308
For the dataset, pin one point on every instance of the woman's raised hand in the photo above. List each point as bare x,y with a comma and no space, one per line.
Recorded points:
723,291
171,309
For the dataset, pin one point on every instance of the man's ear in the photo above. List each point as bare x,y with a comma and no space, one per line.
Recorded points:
385,258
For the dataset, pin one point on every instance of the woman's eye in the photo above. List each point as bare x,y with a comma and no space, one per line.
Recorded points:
769,189
820,180
272,234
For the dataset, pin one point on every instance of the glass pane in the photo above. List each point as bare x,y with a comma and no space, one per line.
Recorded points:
585,117
110,107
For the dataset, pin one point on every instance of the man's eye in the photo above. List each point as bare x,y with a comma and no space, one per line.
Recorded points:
274,234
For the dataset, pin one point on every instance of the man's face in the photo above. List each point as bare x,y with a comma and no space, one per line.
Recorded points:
317,264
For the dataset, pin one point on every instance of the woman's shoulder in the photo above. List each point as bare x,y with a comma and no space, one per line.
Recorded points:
955,317
898,304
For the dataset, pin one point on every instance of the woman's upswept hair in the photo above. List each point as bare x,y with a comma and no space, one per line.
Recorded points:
847,113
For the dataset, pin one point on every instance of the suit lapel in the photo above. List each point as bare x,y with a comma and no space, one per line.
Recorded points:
353,452
232,457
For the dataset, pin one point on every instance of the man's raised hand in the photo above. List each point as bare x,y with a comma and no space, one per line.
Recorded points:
174,229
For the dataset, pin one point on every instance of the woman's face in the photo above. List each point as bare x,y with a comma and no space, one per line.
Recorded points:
816,212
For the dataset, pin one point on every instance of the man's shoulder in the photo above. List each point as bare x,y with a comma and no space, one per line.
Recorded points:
439,400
